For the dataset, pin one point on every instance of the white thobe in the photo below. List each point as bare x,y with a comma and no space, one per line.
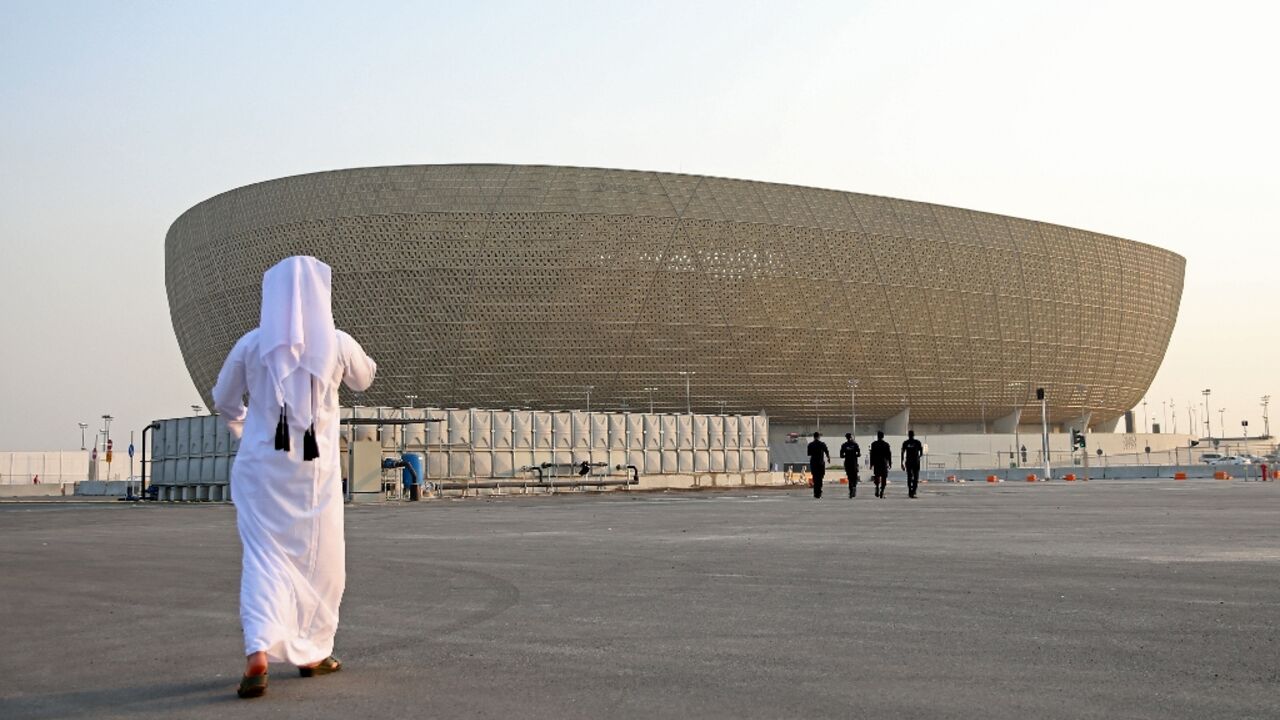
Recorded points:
288,511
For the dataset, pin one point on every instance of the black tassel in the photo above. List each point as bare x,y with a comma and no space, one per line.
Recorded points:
310,451
282,432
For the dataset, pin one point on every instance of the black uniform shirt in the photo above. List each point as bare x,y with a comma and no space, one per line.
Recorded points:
911,452
850,452
881,454
818,454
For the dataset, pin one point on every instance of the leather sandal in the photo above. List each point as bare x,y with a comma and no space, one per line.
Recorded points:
324,667
252,686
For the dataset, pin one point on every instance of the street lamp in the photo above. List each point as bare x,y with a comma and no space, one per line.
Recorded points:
1164,416
410,398
853,407
83,427
651,391
1016,443
195,410
1208,429
1174,408
1146,426
1266,421
688,408
1222,425
106,426
721,403
589,388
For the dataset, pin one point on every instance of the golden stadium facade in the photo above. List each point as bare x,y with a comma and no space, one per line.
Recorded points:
534,286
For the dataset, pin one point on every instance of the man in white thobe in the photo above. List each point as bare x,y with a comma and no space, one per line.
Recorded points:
286,482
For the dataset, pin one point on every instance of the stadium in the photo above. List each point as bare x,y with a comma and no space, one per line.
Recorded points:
509,286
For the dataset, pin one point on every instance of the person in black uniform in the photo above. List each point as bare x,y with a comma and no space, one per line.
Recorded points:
851,452
881,460
819,456
912,451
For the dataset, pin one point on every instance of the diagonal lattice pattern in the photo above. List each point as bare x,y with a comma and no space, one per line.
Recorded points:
513,286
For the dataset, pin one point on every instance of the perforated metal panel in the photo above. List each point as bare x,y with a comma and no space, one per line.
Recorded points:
500,285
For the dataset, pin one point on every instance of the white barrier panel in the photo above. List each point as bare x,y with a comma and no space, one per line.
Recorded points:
482,429
415,435
540,457
390,434
717,461
523,458
170,438
747,461
363,432
459,463
171,471
502,430
601,425
483,464
761,427
701,461
684,424
459,429
762,460
670,461
231,468
184,435
731,433
635,457
157,475
221,470
209,434
182,472
715,433
564,457
542,431
221,438
233,443
670,436
206,468
653,462
157,442
653,432
615,458
618,430
562,430
686,461
437,465
437,432
503,465
581,430
635,431
746,432
701,433
522,429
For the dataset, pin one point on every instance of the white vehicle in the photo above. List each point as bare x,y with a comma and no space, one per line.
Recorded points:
1231,460
1210,458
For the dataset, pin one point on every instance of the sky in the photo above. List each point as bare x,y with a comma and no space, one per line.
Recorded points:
1153,121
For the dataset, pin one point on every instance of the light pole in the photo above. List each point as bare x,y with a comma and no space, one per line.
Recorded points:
195,410
1208,429
1146,426
817,416
1266,421
688,407
410,398
1017,447
1174,408
589,388
106,434
984,416
853,407
83,427
721,403
1164,416
651,391
1044,430
1222,424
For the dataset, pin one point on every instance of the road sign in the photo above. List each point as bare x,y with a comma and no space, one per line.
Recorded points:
130,451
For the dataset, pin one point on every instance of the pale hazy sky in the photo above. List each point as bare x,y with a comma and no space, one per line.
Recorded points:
1154,121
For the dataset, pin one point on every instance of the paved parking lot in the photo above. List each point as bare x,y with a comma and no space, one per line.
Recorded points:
1135,599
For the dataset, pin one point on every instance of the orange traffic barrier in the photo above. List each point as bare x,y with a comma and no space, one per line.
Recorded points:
1221,475
1179,476
844,481
1069,477
1032,478
992,479
951,478
1275,474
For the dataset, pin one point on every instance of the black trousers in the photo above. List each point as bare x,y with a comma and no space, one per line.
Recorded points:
913,478
851,472
880,475
819,472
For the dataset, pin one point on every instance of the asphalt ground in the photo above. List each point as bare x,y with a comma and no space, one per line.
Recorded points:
1114,599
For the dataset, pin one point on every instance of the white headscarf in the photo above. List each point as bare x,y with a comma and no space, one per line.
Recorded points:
297,340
